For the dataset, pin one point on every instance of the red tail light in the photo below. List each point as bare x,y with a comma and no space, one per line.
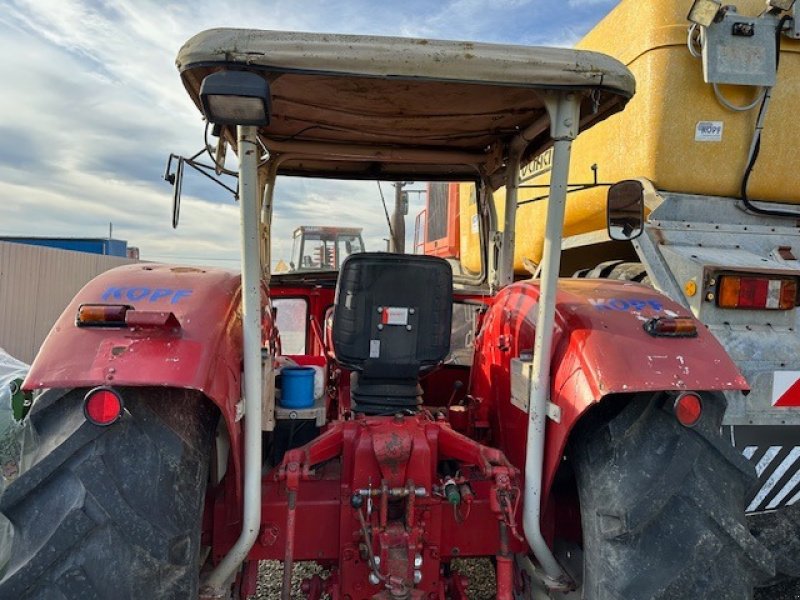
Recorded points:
756,292
688,409
102,406
102,315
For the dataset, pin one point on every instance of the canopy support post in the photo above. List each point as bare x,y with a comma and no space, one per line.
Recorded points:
249,150
564,110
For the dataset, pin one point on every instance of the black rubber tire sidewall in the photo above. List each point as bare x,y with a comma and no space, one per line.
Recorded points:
662,506
110,512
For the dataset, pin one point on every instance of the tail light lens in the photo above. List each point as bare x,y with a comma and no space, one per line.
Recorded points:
123,315
756,292
102,315
671,327
102,406
688,409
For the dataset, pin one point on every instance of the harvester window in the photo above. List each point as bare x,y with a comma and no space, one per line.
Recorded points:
292,321
347,245
319,253
297,249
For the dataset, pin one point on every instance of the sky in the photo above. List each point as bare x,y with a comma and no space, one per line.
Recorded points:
91,106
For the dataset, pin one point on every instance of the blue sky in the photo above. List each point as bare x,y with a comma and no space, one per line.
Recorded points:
91,105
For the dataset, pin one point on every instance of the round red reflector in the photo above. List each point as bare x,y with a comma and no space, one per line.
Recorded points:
688,409
102,406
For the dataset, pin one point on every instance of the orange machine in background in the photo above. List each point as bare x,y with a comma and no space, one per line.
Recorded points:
437,227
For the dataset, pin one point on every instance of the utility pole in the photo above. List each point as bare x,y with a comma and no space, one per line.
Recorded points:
398,242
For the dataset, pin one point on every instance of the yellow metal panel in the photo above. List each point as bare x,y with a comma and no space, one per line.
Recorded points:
469,243
655,136
585,211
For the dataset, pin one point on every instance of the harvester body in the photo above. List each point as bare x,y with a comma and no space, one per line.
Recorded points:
690,151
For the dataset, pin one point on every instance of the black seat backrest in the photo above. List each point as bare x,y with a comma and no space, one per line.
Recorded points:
392,317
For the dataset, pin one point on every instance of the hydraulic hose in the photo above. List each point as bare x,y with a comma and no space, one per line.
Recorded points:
755,146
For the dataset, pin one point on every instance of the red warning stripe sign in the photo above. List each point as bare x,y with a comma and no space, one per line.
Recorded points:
786,389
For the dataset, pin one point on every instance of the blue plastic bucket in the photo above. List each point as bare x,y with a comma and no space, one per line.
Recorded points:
297,387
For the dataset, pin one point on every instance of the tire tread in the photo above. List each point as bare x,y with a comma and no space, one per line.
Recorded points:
115,511
663,507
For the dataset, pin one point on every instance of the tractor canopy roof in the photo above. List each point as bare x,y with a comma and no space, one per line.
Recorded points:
363,107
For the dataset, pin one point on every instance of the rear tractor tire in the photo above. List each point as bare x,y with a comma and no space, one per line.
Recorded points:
108,512
780,532
662,506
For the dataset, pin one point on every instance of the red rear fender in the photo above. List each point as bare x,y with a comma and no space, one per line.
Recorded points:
203,354
600,348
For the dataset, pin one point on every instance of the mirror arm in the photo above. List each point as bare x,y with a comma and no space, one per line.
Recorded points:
575,187
176,180
170,177
200,168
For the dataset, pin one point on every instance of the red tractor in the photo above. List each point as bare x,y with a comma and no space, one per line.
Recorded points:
569,430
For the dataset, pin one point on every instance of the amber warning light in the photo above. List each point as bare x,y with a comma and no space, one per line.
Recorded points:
756,292
671,327
102,315
123,315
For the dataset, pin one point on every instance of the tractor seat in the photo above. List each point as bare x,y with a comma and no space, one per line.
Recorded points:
392,318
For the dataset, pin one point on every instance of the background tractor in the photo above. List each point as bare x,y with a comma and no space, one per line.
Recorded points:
323,248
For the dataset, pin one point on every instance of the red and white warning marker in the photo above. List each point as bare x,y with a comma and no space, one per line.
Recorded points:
786,389
395,315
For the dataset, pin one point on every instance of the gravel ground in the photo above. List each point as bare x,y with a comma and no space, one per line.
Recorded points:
480,573
270,574
270,577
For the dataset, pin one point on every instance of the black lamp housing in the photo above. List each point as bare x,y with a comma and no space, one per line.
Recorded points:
235,98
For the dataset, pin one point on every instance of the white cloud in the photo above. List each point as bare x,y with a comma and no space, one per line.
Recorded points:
92,105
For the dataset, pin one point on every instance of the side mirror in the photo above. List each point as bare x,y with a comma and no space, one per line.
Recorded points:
625,210
176,180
